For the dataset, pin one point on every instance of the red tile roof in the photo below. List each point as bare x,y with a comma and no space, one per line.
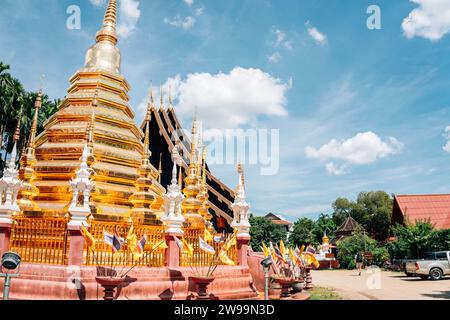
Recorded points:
435,207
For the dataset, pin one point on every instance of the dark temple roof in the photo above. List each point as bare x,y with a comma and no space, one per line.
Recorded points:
164,125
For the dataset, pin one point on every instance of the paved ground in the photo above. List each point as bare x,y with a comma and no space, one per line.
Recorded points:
381,285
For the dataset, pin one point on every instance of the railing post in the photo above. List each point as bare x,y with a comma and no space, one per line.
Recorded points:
5,235
242,250
172,257
76,247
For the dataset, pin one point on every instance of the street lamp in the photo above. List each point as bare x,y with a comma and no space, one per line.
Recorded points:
266,264
10,262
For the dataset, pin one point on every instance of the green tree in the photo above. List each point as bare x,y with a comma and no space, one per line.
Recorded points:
360,242
302,233
440,240
264,230
371,209
323,224
412,240
343,208
15,104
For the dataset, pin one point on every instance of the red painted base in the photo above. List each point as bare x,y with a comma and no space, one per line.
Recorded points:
44,282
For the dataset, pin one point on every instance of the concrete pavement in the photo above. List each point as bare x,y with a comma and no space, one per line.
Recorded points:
375,284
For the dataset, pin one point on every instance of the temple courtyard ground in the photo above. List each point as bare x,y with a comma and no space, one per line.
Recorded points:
375,284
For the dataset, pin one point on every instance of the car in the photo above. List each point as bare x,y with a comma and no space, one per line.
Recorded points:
434,266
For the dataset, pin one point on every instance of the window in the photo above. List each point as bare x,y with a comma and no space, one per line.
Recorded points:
441,256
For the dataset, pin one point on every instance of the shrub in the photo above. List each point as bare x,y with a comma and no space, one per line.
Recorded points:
360,242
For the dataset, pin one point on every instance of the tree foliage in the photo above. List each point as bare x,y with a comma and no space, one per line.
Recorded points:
307,231
263,230
302,233
15,104
360,242
414,240
372,210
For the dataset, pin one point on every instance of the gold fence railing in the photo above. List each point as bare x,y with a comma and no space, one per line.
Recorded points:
201,258
103,255
40,240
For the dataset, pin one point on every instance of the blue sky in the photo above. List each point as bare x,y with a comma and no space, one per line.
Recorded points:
357,109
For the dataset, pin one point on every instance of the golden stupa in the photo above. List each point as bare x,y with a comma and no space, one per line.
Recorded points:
96,109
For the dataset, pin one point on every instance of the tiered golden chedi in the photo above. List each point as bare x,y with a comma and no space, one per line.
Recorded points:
146,202
96,109
191,205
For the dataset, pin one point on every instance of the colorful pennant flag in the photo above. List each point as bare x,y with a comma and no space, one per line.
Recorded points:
220,239
179,243
265,250
160,245
204,246
90,240
184,246
141,244
112,240
283,249
225,258
232,241
208,236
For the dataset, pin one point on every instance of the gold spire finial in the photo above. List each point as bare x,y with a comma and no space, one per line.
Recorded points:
147,138
161,97
170,97
204,168
240,170
193,159
108,30
17,132
91,127
37,106
150,104
160,168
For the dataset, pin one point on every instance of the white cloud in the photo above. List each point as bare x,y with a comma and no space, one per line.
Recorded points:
98,3
275,58
334,170
431,20
178,22
129,14
230,100
281,39
128,18
362,149
447,135
318,37
199,11
189,2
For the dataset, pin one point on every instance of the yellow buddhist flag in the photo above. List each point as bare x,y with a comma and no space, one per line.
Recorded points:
90,240
232,241
208,236
292,256
302,250
225,258
315,262
160,245
265,250
132,242
283,249
130,232
188,248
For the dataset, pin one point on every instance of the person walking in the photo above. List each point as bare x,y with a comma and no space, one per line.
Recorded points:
359,262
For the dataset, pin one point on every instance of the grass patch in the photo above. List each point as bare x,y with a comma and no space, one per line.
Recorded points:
318,293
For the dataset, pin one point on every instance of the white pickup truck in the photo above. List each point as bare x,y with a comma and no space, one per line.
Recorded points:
434,266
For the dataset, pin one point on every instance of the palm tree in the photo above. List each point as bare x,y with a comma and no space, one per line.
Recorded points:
17,104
